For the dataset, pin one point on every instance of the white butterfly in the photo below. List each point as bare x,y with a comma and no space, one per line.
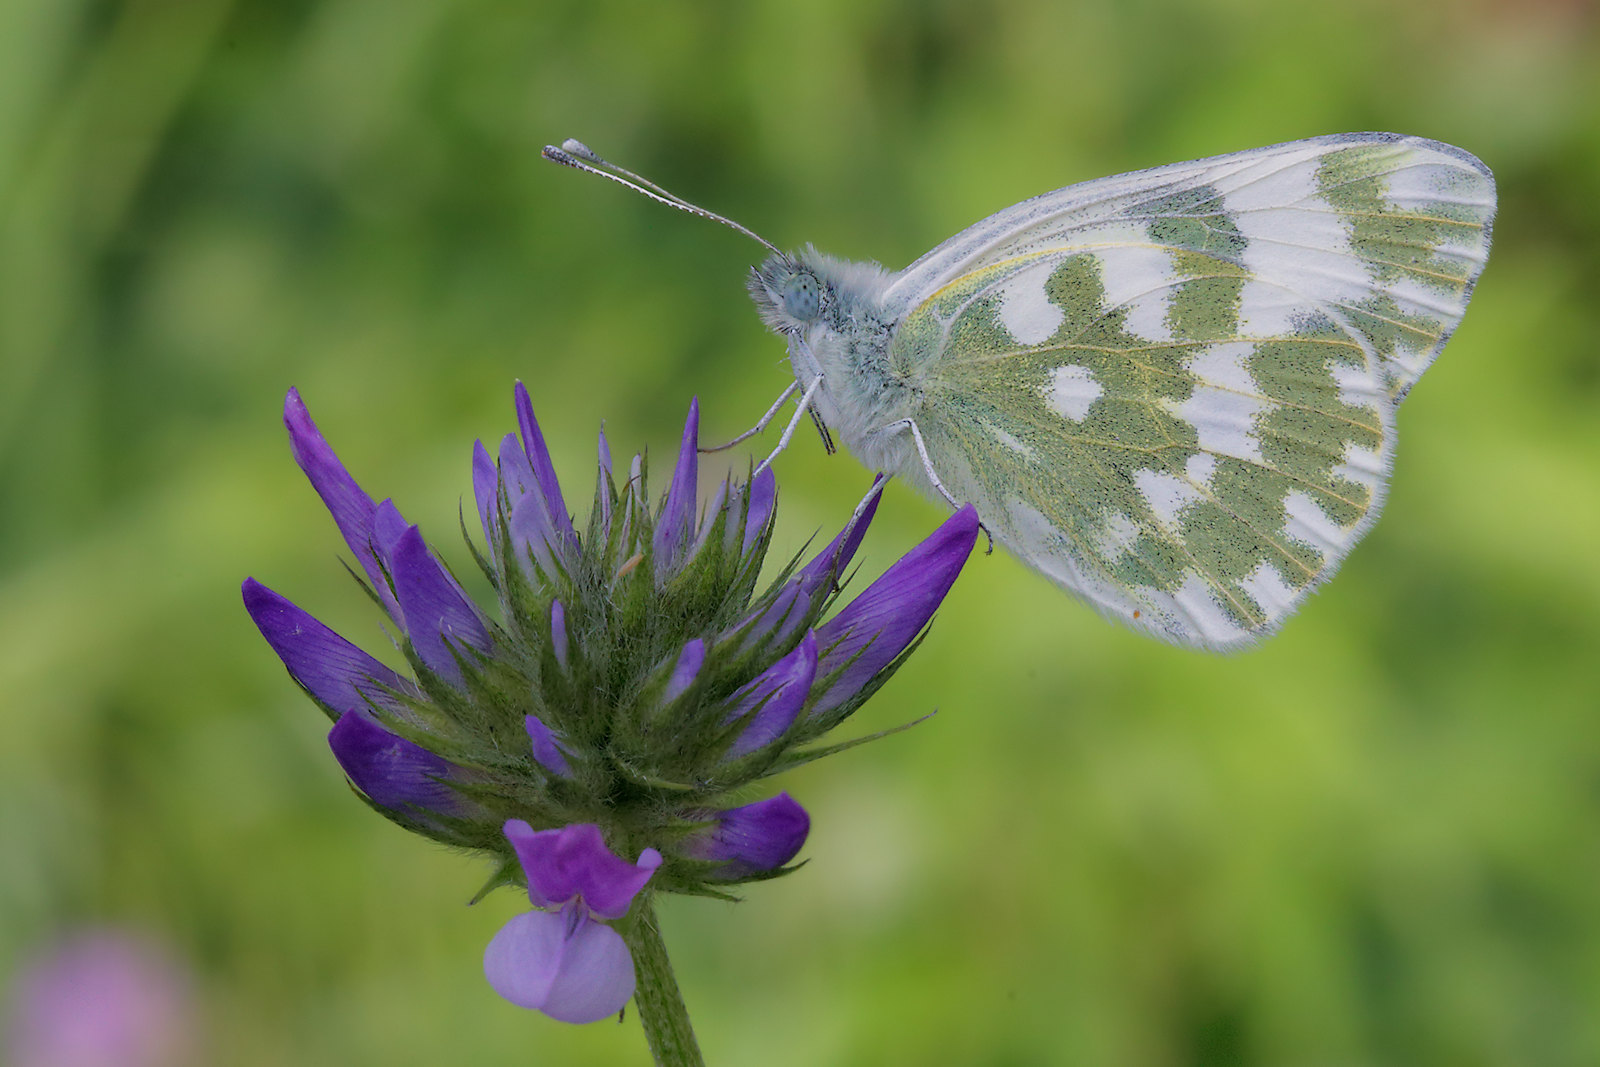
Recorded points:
1171,392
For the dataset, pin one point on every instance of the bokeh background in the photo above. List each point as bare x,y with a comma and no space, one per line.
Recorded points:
1373,840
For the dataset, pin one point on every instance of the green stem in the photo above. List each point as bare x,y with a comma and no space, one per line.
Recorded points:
660,1005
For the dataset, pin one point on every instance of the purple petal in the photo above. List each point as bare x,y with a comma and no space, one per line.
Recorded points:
516,471
351,508
394,772
604,450
715,507
572,969
793,603
784,686
531,531
755,838
842,549
573,861
388,526
677,514
486,490
337,673
543,470
558,632
763,495
437,613
690,660
878,625
782,617
531,534
547,748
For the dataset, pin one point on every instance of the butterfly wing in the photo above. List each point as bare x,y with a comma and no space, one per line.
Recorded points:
1173,392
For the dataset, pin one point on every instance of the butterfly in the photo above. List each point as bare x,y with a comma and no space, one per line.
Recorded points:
1171,392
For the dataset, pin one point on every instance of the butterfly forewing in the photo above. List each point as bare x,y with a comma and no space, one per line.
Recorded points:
1173,392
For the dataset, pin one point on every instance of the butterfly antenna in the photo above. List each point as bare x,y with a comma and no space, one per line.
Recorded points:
579,156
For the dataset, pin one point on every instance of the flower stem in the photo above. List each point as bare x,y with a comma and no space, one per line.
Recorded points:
660,1005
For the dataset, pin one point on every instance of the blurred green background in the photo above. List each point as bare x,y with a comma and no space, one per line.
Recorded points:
1373,840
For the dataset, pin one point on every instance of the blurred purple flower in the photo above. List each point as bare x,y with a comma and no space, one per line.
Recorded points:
101,998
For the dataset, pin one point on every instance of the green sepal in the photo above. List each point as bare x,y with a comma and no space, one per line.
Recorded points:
504,874
799,758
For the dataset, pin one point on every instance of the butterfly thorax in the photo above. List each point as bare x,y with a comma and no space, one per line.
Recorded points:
831,312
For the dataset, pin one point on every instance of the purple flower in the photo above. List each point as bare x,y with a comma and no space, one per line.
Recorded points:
634,677
101,998
565,963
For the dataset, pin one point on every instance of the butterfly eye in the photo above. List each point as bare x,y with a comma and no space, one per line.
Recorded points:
802,297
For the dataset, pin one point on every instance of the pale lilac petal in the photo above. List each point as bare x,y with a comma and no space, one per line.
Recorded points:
677,514
437,613
690,660
547,748
394,772
879,624
340,675
525,956
573,861
784,687
351,508
763,495
558,632
572,969
754,838
544,471
596,977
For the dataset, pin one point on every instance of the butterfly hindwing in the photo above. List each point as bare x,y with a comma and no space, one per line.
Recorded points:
1173,392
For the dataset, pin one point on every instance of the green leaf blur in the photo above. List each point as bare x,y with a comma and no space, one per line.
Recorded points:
1371,841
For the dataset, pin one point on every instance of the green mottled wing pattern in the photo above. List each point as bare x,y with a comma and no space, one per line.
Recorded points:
1173,392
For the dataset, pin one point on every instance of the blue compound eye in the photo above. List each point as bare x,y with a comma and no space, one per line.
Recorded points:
802,297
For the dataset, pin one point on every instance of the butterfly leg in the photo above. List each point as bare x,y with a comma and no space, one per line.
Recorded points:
788,431
933,475
761,424
822,428
922,450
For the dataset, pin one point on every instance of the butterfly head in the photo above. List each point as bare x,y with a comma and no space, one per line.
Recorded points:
788,293
798,291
